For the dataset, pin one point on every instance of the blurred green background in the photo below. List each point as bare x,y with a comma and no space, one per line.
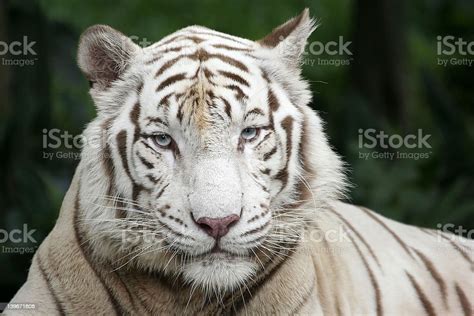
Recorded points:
393,83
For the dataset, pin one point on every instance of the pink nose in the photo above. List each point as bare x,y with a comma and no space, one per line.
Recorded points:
217,227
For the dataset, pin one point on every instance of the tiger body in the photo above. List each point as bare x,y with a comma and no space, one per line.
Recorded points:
216,192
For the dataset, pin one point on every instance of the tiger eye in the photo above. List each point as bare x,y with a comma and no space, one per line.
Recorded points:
249,133
162,140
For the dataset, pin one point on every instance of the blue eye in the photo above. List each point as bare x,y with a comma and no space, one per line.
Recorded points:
162,140
249,133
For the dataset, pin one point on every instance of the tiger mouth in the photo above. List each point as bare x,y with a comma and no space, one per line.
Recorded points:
218,253
215,254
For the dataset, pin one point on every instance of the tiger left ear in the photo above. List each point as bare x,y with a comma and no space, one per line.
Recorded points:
103,54
289,39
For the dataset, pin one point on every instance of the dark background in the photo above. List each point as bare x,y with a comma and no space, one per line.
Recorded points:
393,84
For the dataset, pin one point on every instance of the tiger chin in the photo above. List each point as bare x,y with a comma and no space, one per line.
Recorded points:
211,188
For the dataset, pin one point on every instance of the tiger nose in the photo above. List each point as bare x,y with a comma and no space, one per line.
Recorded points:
217,227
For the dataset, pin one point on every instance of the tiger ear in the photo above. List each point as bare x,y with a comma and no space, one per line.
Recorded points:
289,39
104,54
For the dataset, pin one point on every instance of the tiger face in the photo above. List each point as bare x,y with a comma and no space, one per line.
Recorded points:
212,165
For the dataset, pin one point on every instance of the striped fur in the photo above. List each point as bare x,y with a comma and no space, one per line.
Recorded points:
126,242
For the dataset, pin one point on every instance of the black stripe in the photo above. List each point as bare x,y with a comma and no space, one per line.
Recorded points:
107,161
171,39
373,280
57,302
272,100
194,39
264,138
266,276
434,274
231,61
234,77
145,162
122,149
283,174
255,111
220,35
464,301
255,230
239,93
306,297
351,227
161,191
153,178
171,80
228,47
164,102
128,293
460,251
77,235
159,54
437,234
155,120
391,232
227,107
269,154
134,117
169,64
427,305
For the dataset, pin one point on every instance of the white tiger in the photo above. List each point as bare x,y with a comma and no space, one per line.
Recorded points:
214,191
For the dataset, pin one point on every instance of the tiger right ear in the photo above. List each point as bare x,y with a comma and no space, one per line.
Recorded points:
289,39
103,55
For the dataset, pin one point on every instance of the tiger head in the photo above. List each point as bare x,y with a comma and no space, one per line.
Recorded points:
212,165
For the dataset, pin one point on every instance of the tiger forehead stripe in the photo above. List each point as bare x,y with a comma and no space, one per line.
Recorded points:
222,36
200,55
255,111
234,77
227,47
170,80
